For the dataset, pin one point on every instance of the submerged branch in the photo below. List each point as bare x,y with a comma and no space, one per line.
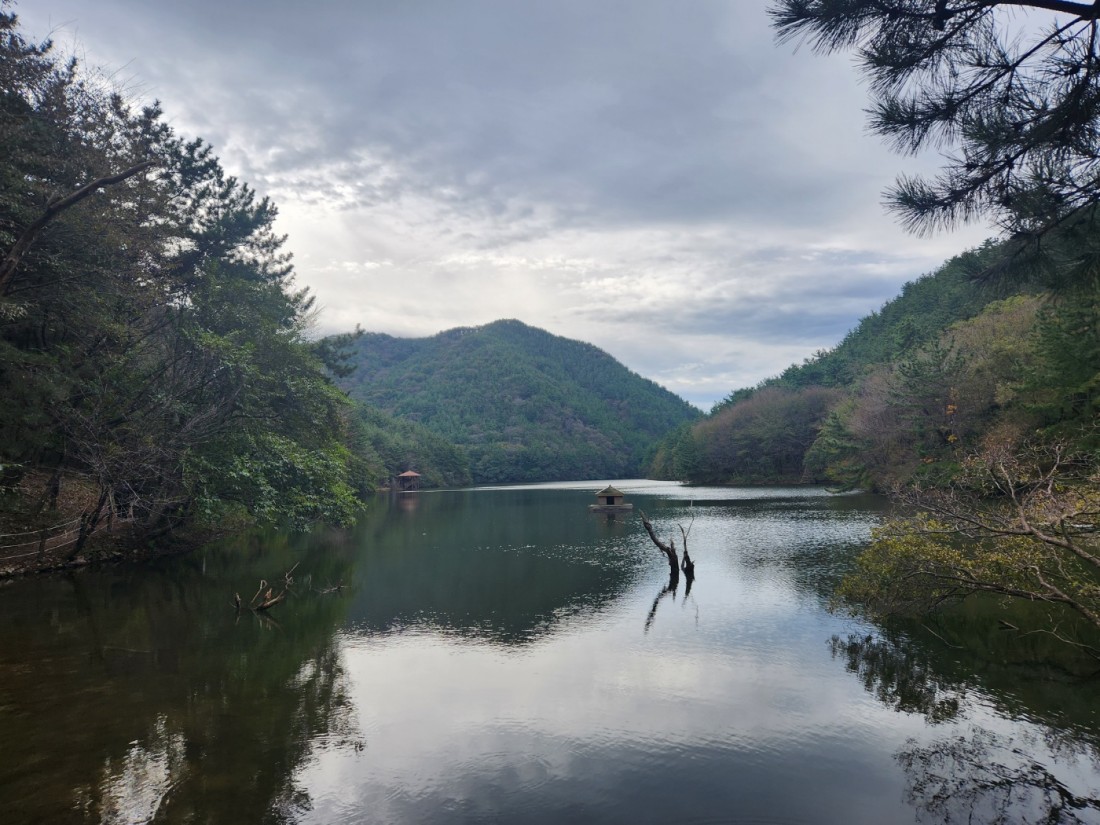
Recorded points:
266,597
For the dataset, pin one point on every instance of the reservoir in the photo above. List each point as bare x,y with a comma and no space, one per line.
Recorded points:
504,655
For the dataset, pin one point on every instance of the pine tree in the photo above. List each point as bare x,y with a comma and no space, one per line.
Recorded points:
1020,112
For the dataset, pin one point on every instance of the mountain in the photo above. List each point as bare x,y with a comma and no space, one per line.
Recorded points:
525,405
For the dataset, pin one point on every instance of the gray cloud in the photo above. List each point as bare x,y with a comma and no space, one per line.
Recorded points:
610,171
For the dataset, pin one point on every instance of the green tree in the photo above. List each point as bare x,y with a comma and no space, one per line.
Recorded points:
1020,523
383,447
922,412
154,346
1065,386
760,439
523,404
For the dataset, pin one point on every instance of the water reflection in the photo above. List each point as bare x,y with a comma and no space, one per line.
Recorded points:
407,502
709,712
134,787
134,695
504,656
898,677
1021,773
669,590
505,566
985,777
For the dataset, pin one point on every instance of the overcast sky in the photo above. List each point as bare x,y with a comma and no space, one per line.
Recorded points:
657,178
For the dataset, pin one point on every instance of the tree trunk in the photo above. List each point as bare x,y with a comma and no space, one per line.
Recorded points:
668,549
88,523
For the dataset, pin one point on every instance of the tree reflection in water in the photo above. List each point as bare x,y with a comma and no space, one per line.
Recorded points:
192,763
133,787
975,776
668,590
895,676
151,701
989,778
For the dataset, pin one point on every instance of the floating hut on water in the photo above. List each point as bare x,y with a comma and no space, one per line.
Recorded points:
408,482
610,500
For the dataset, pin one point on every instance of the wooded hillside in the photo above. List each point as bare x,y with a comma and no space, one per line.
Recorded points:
525,405
959,357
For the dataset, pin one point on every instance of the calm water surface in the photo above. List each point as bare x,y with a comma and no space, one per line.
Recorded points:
502,655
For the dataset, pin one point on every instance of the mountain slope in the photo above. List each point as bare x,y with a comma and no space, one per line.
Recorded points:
524,404
925,307
949,367
383,446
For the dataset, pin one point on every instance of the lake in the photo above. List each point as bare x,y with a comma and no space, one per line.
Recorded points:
503,655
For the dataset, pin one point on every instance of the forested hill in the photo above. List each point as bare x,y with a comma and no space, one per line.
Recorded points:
524,404
930,378
917,316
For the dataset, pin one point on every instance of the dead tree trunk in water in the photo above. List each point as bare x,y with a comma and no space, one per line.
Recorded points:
675,565
668,549
687,565
266,600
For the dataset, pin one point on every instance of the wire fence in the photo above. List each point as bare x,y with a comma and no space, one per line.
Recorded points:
47,540
49,549
38,531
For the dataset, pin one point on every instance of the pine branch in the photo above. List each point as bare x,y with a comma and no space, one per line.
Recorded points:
54,208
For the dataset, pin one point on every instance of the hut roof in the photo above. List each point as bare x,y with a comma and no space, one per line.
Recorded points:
609,491
409,474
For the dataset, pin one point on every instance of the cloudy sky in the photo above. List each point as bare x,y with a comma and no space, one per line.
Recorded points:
657,178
